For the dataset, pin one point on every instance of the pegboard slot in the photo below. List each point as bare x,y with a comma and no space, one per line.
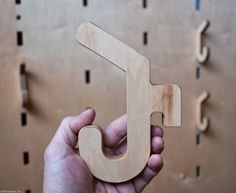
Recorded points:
28,191
85,3
145,38
87,76
197,4
22,68
198,72
19,37
198,171
26,159
144,4
198,138
18,17
23,119
18,2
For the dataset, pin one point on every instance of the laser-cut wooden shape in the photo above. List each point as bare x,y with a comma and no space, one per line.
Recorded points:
203,52
202,122
143,98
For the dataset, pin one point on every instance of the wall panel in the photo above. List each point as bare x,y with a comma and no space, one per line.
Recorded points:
56,71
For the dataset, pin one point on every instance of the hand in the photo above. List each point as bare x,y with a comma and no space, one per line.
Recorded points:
66,172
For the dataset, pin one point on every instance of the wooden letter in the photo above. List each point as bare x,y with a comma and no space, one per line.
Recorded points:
143,98
202,51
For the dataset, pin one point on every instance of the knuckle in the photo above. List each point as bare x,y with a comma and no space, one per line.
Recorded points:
66,122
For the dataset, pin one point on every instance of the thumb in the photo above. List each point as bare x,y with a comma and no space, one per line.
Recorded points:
69,128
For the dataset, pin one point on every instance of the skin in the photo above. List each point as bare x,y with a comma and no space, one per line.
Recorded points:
66,172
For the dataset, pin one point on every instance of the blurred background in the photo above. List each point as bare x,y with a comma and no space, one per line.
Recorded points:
46,75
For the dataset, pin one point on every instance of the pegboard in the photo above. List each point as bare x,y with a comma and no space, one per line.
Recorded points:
64,78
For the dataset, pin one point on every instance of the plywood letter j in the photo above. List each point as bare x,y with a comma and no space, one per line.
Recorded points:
143,98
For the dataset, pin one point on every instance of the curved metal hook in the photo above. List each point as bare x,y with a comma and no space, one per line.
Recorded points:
202,51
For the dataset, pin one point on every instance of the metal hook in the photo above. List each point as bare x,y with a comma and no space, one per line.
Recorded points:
202,122
202,51
24,87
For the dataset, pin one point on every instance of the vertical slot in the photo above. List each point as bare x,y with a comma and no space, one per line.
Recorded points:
28,191
198,72
26,157
198,171
22,68
23,119
144,4
87,76
18,2
85,3
198,138
19,37
197,4
18,17
145,38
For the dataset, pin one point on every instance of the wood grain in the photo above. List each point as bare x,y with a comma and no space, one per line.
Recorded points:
56,68
143,99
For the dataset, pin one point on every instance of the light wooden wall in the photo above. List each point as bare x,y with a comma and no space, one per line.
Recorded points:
56,67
